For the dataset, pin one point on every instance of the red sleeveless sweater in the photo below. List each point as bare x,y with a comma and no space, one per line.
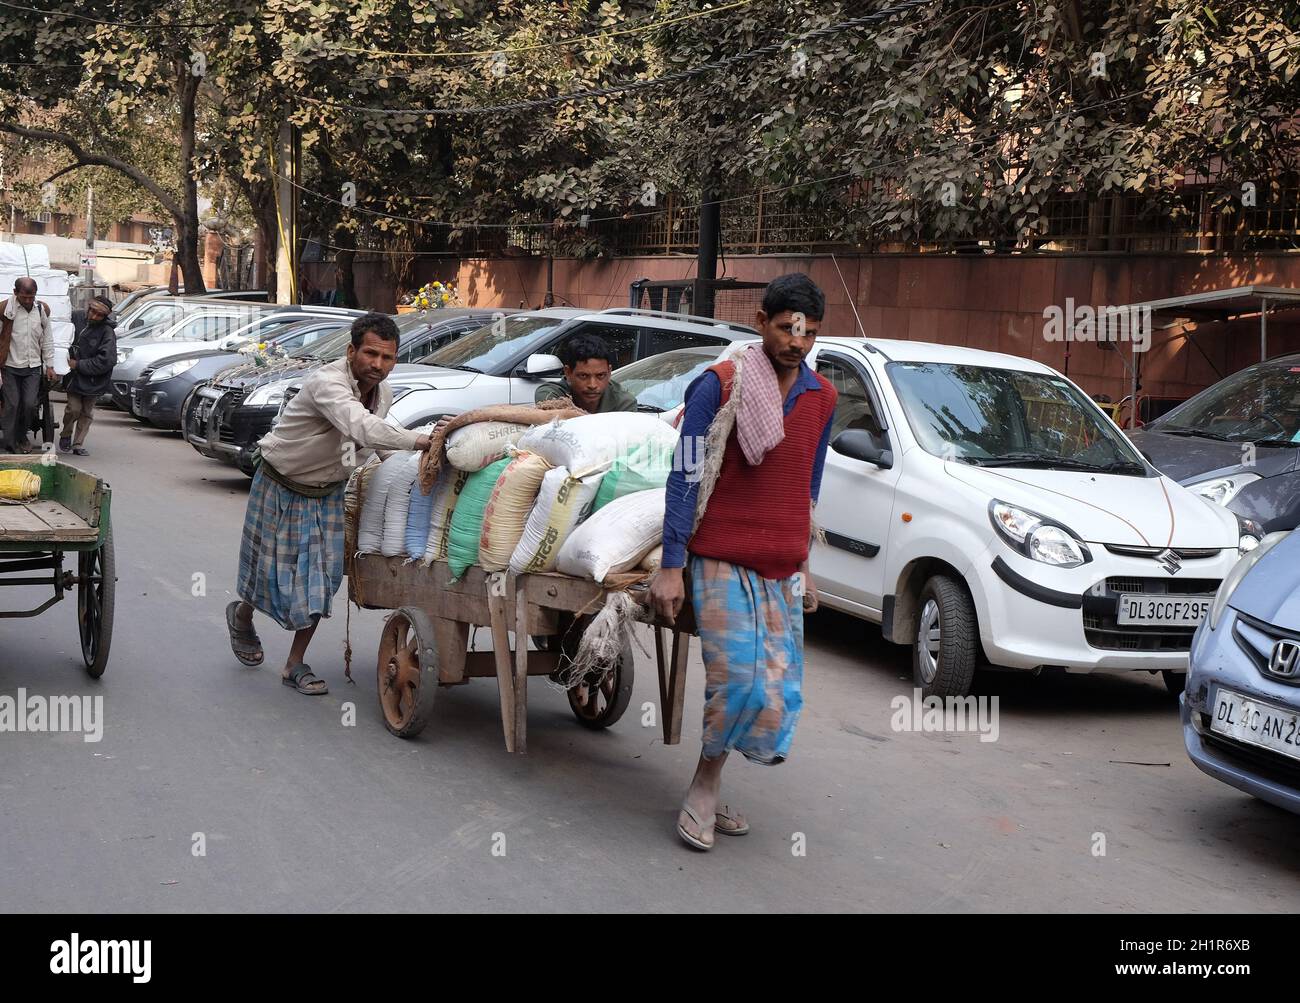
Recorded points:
759,517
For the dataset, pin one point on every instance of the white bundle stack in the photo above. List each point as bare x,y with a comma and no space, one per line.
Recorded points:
24,257
19,261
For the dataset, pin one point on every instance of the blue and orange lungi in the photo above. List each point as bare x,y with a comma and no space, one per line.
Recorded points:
751,633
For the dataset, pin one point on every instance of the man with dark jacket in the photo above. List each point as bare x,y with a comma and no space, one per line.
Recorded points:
91,358
588,367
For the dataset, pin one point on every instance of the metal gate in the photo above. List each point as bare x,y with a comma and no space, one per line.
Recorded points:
721,299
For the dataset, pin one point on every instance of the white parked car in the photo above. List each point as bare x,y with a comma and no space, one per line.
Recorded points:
981,507
506,361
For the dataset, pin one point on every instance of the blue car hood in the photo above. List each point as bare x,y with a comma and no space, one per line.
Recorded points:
1271,589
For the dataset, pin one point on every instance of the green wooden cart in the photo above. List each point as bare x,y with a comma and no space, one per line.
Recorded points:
70,516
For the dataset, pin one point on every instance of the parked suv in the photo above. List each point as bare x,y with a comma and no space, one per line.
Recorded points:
504,362
225,419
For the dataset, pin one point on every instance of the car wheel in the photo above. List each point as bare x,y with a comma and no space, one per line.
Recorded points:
1174,681
945,650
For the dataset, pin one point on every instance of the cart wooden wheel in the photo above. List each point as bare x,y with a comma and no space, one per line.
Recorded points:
407,672
96,571
607,695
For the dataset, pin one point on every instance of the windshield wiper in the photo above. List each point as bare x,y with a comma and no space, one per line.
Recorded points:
1198,432
650,408
1277,441
1053,462
465,369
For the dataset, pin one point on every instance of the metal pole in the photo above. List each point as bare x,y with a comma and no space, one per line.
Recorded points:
706,268
1133,393
88,270
1263,328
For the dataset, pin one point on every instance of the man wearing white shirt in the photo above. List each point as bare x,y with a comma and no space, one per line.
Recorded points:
26,348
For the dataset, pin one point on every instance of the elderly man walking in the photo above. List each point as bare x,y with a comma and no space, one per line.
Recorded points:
291,556
26,350
764,419
91,358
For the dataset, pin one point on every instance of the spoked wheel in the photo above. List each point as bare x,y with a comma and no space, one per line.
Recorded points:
408,672
96,589
606,694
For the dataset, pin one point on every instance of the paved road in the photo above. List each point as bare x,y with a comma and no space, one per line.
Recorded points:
300,812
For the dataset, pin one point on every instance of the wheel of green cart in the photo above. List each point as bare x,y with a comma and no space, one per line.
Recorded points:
407,674
96,588
607,693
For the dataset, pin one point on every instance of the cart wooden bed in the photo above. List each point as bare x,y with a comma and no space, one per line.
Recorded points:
425,641
70,515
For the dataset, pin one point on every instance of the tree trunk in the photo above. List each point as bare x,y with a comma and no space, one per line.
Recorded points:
345,280
262,199
187,224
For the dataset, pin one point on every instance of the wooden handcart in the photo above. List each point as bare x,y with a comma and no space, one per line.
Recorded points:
425,641
71,515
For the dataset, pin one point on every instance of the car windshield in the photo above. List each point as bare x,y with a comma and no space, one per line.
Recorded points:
1002,417
489,348
1260,404
659,383
331,346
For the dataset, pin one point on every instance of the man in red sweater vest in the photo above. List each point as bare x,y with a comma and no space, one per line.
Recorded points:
741,528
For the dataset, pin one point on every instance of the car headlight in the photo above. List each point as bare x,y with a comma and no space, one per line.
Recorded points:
1238,572
172,369
1037,537
123,354
270,395
1222,490
1250,533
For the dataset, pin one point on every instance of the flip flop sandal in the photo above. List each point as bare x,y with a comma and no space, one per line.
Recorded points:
244,641
695,841
301,677
731,823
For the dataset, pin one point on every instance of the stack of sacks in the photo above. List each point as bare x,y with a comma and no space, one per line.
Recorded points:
500,505
629,450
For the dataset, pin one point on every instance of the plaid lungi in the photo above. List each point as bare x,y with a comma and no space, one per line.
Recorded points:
291,556
751,633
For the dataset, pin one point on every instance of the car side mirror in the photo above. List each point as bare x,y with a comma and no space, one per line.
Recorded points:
540,366
859,444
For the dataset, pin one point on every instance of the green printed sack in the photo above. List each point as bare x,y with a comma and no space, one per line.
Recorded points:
642,466
467,517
